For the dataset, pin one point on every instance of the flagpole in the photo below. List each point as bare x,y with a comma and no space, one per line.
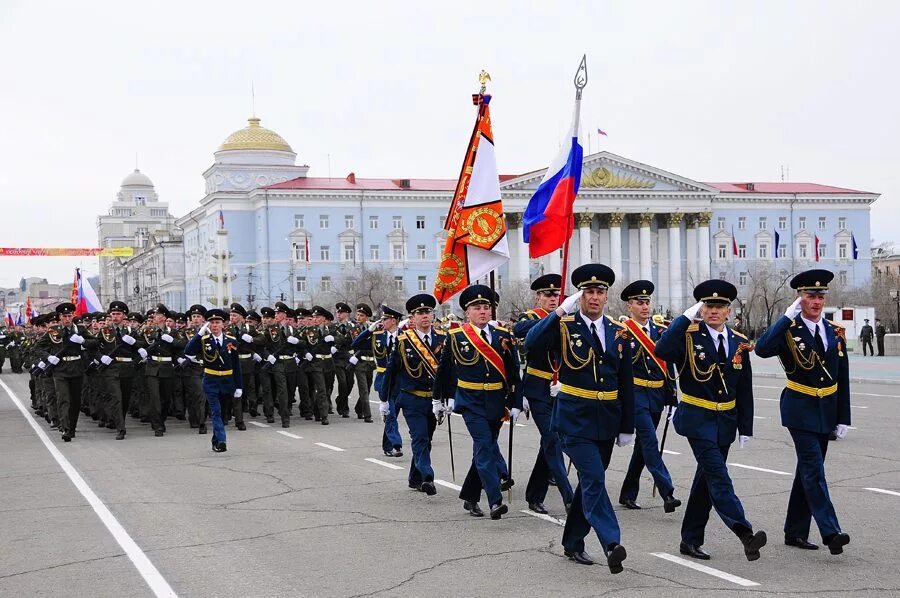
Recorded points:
580,81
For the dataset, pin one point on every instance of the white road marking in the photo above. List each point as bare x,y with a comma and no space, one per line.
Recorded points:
872,394
759,417
668,452
762,469
446,484
761,386
330,447
158,585
891,492
770,400
259,425
560,522
383,463
289,435
859,406
704,569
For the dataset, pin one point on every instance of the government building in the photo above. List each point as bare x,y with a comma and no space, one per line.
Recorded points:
265,231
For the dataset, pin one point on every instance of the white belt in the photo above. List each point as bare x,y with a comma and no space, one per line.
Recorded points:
247,356
71,358
285,357
123,359
323,356
366,358
159,358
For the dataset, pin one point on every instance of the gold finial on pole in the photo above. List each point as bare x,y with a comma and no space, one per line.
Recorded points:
483,78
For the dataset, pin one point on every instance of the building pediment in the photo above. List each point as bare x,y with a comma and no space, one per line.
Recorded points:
722,235
349,235
606,171
299,233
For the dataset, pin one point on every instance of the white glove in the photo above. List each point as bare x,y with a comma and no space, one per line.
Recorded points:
554,388
203,329
143,353
329,339
624,439
353,360
384,408
76,338
167,338
297,360
333,350
181,360
841,431
257,358
308,356
794,309
10,345
691,312
743,440
2,336
246,338
271,359
494,323
671,413
105,359
525,406
374,326
404,323
436,407
128,339
293,340
569,304
194,359
238,392
53,359
451,405
514,415
42,365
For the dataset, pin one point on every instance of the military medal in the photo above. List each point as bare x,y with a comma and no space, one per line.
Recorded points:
736,362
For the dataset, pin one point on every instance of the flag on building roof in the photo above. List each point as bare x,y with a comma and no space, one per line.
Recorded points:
602,132
817,248
855,246
221,220
85,298
476,226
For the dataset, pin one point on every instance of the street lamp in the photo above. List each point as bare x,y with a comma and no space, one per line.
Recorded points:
895,295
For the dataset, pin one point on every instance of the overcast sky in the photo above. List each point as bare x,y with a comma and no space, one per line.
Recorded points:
714,91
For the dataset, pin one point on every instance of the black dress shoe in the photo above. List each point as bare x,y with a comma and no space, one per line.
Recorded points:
120,435
498,511
308,417
693,551
670,503
285,423
798,542
506,484
368,420
415,485
427,487
837,542
582,558
324,421
270,420
241,426
752,543
345,415
220,447
159,433
473,509
202,429
101,424
254,413
629,503
66,437
538,507
615,557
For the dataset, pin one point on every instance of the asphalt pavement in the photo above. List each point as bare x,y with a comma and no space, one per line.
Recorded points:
320,511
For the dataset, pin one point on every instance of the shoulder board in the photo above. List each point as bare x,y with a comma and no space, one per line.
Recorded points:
836,325
231,337
611,321
694,327
456,331
567,319
205,336
502,329
739,335
440,332
661,326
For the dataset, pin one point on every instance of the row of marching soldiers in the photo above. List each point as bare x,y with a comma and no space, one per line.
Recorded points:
592,383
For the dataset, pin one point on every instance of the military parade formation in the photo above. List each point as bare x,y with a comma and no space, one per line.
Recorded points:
589,382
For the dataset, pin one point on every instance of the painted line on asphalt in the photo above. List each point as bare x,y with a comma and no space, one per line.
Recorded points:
447,484
762,469
759,417
770,400
762,386
259,425
668,452
383,463
704,569
289,435
882,491
859,406
158,585
330,447
550,518
872,394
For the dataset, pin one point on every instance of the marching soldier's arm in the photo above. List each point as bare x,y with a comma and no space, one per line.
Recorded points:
389,378
772,341
745,399
626,389
670,346
521,328
179,342
544,335
236,370
42,347
192,347
91,342
843,393
343,340
362,341
445,377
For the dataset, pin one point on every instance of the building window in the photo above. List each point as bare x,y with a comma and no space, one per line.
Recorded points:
763,224
803,251
782,223
842,223
823,222
742,251
397,252
349,221
140,200
763,251
373,222
299,251
420,251
325,285
323,221
821,250
723,251
721,221
350,252
324,253
782,251
842,276
301,284
443,221
802,222
420,222
842,251
398,283
742,279
422,282
374,253
398,222
298,221
742,222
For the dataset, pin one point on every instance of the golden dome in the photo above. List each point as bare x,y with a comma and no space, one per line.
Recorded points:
255,137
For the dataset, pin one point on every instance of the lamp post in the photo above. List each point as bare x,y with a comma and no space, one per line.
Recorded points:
895,295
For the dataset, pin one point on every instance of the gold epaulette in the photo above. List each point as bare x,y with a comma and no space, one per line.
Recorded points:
835,324
619,324
455,330
739,335
234,338
502,329
694,327
439,332
205,336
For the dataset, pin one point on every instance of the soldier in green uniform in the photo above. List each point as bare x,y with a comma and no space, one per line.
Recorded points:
255,321
167,344
343,334
14,348
280,345
192,372
117,350
249,341
363,363
326,320
320,348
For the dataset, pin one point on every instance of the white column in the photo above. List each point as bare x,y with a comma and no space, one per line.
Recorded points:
518,248
554,261
691,250
703,219
583,220
675,284
615,243
644,240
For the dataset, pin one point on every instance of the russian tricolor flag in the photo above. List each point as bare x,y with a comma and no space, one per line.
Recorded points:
548,220
86,299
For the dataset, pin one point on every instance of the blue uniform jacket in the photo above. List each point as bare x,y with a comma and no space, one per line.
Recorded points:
689,347
538,370
406,378
223,359
377,344
645,368
792,342
461,362
570,341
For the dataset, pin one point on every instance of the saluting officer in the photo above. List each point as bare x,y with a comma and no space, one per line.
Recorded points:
814,403
411,370
654,389
221,369
539,399
716,402
595,405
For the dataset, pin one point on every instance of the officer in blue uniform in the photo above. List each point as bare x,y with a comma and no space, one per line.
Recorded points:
654,389
409,378
221,369
381,339
595,405
479,379
536,388
814,404
716,402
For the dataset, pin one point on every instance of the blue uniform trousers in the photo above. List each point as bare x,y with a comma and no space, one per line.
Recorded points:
488,465
809,495
391,438
591,507
549,461
215,389
421,422
646,452
712,487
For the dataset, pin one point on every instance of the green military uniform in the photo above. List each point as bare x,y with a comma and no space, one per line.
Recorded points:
192,376
363,363
164,345
343,332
